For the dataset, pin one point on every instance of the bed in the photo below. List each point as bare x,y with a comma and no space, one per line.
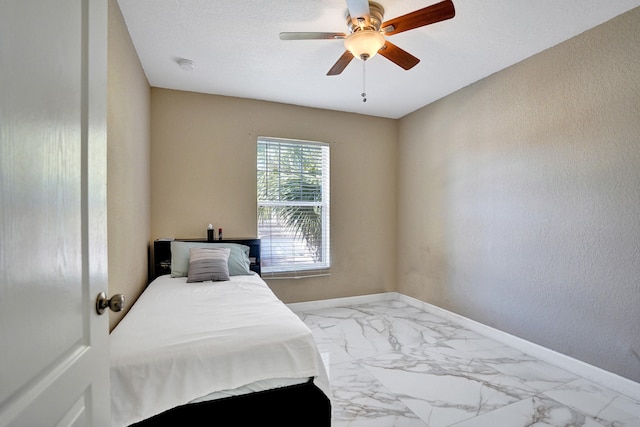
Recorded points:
193,352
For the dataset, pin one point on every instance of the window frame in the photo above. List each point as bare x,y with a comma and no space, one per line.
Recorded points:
295,269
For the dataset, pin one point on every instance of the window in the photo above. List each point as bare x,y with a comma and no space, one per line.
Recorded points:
293,207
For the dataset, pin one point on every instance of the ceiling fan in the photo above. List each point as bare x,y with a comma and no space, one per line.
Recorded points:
367,32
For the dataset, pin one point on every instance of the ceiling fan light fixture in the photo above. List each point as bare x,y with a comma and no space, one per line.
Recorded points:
364,44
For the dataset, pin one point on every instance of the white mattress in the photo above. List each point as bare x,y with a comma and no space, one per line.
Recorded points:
183,341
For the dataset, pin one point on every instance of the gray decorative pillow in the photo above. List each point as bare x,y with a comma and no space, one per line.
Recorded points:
208,264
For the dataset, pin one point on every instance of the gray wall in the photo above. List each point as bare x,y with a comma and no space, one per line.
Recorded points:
519,199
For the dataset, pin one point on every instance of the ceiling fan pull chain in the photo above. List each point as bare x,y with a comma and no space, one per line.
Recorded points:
364,94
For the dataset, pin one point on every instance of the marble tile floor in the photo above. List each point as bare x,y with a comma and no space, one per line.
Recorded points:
392,364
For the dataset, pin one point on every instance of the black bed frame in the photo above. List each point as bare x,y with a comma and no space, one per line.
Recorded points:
302,405
291,406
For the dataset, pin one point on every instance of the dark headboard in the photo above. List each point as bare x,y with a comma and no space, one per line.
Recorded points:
162,253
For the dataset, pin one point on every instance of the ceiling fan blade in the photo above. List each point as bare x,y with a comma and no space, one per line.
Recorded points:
311,36
358,9
398,56
421,17
341,64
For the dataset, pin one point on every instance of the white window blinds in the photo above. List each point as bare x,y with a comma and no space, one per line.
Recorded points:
293,207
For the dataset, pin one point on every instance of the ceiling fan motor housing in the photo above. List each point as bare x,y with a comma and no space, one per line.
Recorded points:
372,22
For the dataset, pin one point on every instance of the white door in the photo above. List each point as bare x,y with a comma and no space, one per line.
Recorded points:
54,357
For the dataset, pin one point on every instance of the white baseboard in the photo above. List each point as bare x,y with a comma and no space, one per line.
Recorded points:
342,302
592,373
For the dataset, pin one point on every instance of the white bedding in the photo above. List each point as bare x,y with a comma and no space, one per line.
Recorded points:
182,341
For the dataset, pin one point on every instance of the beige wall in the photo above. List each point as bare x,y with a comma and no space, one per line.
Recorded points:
203,170
128,187
519,199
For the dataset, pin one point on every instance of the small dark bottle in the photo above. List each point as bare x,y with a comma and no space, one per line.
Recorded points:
219,233
210,232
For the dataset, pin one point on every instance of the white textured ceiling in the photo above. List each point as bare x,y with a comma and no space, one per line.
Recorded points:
236,49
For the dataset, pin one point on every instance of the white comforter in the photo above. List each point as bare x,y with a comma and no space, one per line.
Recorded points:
181,341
